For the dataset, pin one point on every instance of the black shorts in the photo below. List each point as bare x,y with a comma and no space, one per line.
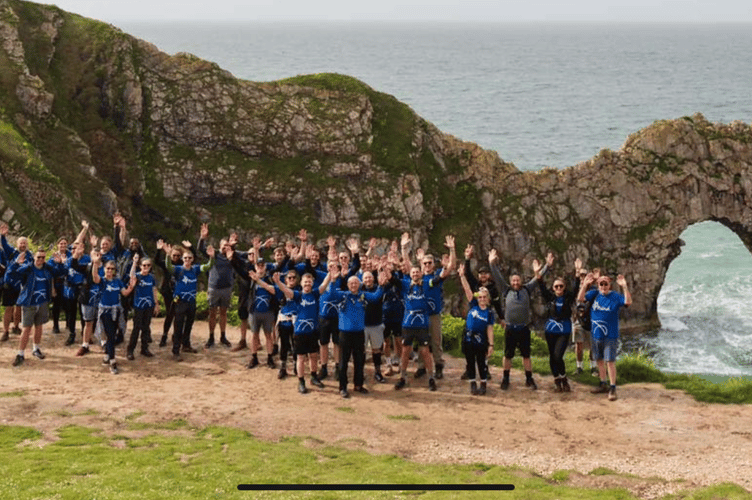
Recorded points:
10,296
328,330
305,344
419,334
516,337
394,329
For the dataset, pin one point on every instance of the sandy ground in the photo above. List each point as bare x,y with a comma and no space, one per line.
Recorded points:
661,436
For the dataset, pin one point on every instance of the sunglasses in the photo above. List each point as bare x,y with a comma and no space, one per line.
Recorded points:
603,283
145,265
558,286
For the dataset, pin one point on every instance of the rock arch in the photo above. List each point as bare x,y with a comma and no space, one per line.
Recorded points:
625,211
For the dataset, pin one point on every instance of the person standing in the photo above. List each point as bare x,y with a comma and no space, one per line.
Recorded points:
36,278
219,293
186,287
604,315
12,285
478,339
558,327
517,316
110,315
145,305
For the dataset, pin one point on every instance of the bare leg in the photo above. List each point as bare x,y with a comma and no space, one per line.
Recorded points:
611,365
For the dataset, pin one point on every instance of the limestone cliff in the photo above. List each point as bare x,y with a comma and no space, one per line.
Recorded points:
92,119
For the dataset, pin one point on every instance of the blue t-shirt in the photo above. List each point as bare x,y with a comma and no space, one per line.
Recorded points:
143,297
288,308
604,314
352,308
417,307
186,284
435,292
478,321
110,292
307,320
263,301
559,327
392,307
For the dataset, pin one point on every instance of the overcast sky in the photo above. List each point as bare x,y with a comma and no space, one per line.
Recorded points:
114,11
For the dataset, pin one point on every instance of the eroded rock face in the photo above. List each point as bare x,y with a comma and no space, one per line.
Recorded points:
178,140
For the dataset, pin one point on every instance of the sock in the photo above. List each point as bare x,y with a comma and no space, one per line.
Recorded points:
528,375
603,382
301,380
35,347
85,344
506,375
613,387
21,353
377,361
579,364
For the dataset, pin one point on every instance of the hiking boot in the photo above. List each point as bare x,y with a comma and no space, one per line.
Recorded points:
56,329
378,377
612,394
282,374
601,389
400,384
70,340
5,337
336,372
594,371
323,373
163,341
253,363
209,343
106,360
114,369
83,350
270,362
431,384
531,384
361,390
301,387
473,388
146,353
18,361
558,385
315,381
130,356
420,372
17,330
240,346
177,357
38,353
344,394
482,390
565,385
465,376
504,384
439,371
389,370
187,348
223,340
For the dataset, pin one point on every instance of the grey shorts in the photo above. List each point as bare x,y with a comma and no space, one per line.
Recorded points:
264,320
35,315
580,335
219,297
89,313
375,335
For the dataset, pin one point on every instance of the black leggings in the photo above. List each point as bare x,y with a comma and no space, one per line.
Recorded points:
285,331
476,355
557,346
185,314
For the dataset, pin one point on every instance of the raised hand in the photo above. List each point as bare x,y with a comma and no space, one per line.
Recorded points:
469,250
303,235
449,241
160,244
537,266
233,239
493,256
577,264
210,251
550,259
353,244
204,232
621,281
3,229
405,240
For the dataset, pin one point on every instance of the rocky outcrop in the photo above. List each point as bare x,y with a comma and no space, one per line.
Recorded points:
92,119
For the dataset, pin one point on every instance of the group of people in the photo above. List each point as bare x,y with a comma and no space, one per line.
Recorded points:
303,303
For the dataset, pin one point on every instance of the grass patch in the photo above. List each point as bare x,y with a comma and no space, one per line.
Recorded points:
172,425
13,394
212,462
345,409
403,417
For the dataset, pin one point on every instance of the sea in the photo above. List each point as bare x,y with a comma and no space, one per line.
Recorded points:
543,95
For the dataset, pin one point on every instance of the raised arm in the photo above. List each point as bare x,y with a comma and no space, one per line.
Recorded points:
622,282
589,280
449,243
285,289
493,262
465,285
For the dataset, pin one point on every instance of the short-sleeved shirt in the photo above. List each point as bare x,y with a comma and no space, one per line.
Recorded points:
109,291
478,320
306,322
604,314
143,297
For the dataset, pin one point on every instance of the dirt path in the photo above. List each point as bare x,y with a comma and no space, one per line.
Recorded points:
649,432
